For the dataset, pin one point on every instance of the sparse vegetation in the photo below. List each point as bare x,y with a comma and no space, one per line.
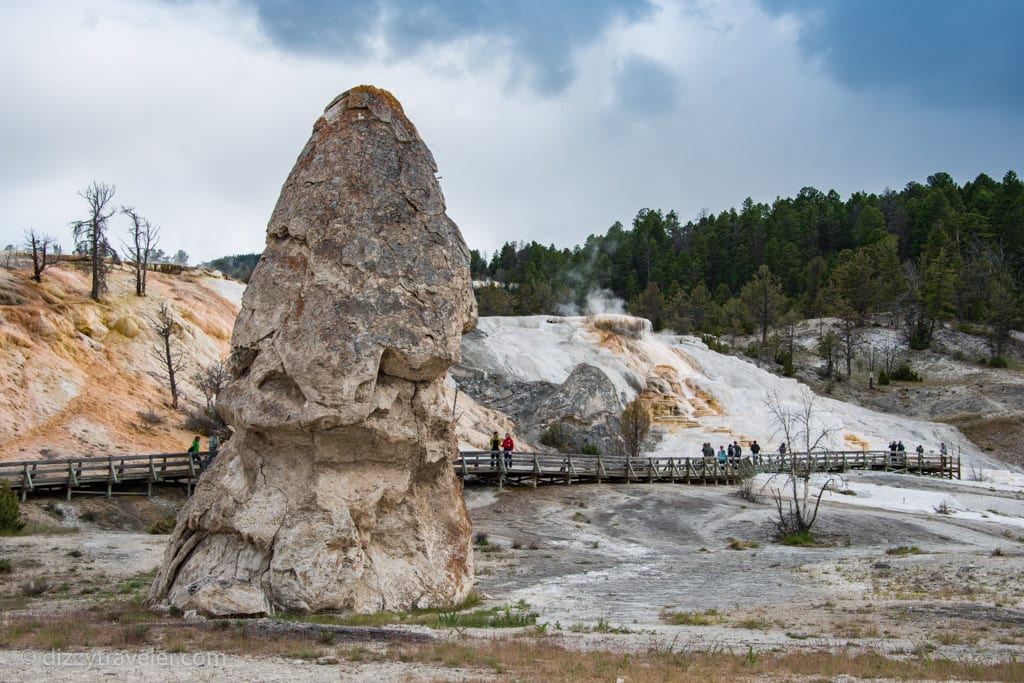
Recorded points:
904,550
149,417
35,586
556,435
714,344
904,373
737,544
164,525
749,490
797,509
799,539
707,617
10,512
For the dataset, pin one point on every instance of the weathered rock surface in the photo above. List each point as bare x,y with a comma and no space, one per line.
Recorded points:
336,490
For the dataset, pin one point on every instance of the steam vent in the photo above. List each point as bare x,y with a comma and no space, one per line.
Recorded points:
336,491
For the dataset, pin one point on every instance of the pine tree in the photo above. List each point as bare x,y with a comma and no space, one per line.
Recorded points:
10,513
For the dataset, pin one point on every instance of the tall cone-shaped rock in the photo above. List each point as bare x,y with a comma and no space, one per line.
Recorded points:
336,490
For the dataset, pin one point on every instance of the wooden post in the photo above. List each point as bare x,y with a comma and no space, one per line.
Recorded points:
72,478
111,476
26,482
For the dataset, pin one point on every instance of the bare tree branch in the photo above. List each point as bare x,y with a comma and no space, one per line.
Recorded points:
45,251
169,354
91,233
144,238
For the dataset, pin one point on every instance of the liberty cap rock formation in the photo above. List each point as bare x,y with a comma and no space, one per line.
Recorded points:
336,490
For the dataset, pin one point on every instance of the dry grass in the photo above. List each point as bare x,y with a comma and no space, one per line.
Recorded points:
738,544
127,624
993,433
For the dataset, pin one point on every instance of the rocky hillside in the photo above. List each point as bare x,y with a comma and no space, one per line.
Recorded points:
78,378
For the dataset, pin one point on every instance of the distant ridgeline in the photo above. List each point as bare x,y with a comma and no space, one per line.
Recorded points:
927,254
239,266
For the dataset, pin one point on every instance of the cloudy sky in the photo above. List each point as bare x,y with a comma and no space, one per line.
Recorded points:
549,119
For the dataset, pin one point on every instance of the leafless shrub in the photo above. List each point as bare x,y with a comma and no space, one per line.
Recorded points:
211,380
749,490
35,586
205,421
976,473
149,417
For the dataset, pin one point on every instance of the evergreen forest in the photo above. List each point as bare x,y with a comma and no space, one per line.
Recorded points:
929,254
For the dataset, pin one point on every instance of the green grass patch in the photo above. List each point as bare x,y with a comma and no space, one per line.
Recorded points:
752,623
904,550
799,539
708,617
509,616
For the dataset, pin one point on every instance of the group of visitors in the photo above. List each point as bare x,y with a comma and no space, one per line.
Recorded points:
213,445
897,451
498,444
731,453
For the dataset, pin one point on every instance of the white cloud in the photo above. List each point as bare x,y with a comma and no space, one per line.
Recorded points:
197,118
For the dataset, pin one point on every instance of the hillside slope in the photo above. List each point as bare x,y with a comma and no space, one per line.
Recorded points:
528,367
80,378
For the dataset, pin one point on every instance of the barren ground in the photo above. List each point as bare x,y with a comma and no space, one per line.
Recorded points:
605,566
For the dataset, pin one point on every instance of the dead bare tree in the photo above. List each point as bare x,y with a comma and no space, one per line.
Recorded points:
171,357
211,380
45,251
91,233
801,426
635,428
144,238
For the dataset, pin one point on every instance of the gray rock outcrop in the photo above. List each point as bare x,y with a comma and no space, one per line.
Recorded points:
336,490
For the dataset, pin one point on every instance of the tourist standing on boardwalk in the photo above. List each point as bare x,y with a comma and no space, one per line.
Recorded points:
755,450
194,450
508,445
708,451
495,447
213,447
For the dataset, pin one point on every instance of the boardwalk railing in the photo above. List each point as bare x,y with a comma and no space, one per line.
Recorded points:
931,464
568,468
102,475
534,469
105,474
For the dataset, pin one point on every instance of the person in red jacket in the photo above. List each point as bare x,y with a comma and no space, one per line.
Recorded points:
508,445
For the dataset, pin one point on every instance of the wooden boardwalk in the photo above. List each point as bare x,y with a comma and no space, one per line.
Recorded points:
136,474
534,469
111,475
